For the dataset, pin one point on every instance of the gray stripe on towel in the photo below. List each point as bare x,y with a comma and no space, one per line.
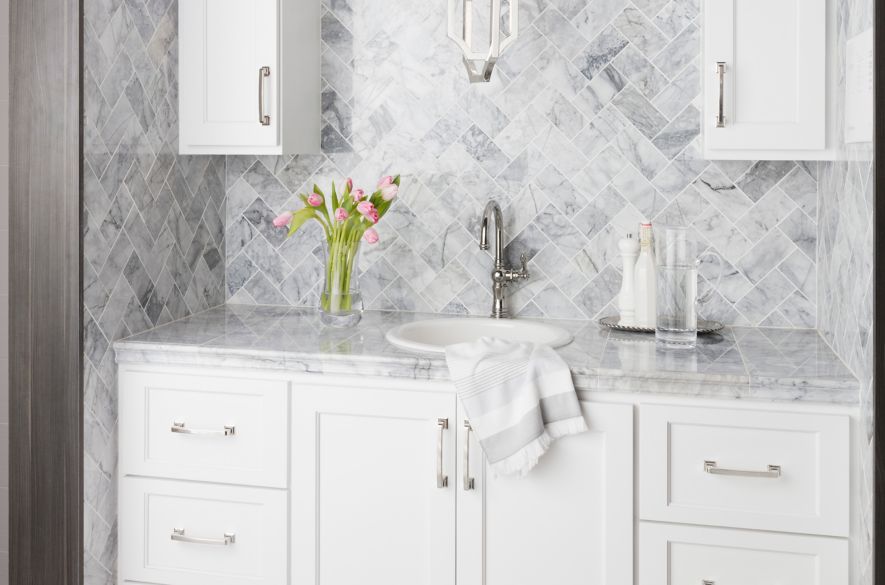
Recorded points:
509,441
560,407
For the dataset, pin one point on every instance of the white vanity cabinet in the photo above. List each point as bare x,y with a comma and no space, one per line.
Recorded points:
394,482
249,76
765,66
264,476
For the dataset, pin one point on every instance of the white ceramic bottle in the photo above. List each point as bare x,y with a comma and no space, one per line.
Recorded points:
645,279
629,249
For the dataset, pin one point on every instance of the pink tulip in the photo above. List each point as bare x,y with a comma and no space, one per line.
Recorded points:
315,199
359,195
365,207
349,185
385,181
283,219
341,214
389,192
371,236
373,216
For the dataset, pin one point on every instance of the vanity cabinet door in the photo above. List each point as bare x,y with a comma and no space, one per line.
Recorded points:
568,522
764,71
368,505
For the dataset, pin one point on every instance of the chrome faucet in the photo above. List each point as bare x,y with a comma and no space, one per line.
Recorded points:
501,275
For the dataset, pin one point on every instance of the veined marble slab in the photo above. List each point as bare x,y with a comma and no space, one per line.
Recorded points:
780,365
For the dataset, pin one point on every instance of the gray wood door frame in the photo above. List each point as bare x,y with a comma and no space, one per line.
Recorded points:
46,403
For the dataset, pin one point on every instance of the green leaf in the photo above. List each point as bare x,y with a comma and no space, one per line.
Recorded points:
299,219
334,197
316,189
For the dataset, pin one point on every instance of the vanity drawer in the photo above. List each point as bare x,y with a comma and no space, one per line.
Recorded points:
696,555
765,470
216,429
182,533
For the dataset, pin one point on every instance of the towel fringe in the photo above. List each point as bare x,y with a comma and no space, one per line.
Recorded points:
569,426
521,462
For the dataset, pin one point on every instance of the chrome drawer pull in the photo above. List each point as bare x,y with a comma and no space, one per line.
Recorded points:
705,582
469,482
442,480
181,428
179,536
263,118
720,117
774,471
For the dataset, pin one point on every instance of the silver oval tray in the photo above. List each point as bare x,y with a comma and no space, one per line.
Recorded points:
614,322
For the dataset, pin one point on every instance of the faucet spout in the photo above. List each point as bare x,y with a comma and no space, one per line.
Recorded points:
493,210
501,276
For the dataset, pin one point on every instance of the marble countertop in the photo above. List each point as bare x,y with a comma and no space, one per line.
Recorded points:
779,365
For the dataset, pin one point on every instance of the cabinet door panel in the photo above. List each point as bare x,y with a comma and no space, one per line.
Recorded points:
773,87
367,508
569,521
224,45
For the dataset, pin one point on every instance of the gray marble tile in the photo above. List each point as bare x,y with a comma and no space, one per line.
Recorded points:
767,213
560,31
679,133
600,52
802,230
681,51
764,175
640,112
640,71
640,31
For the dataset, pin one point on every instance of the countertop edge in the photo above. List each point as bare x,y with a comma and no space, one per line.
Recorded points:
430,368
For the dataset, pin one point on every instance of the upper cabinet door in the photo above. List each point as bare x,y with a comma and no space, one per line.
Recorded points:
569,521
229,74
764,68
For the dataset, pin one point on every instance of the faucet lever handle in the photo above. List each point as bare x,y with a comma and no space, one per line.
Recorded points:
524,272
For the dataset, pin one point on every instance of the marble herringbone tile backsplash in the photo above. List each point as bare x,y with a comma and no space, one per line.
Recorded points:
590,125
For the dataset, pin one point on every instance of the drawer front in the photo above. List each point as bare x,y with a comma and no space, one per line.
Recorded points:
181,533
185,426
745,468
695,555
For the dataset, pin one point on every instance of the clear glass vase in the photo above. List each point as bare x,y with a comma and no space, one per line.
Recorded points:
341,304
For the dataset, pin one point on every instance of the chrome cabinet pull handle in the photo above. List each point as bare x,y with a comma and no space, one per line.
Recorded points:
720,71
181,428
263,74
774,471
179,536
705,582
469,482
442,480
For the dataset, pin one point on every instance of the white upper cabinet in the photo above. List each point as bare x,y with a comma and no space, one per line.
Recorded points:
249,76
765,67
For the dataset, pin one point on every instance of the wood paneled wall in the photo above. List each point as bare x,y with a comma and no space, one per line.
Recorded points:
45,324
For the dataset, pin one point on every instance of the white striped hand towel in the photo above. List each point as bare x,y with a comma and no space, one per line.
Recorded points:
519,397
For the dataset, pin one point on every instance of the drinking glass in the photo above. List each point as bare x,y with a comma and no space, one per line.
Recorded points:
677,282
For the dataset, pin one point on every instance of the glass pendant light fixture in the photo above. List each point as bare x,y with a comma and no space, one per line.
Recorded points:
466,27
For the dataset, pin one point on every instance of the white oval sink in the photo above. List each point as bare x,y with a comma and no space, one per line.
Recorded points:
434,335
